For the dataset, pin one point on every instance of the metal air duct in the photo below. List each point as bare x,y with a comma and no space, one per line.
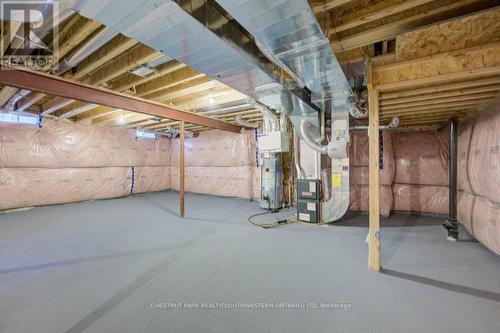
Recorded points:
196,33
288,32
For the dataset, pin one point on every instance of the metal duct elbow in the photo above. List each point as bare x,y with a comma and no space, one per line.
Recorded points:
11,105
356,113
269,117
240,121
306,136
394,123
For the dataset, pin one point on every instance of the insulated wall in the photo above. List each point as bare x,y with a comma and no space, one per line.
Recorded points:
414,173
479,177
62,162
217,163
421,179
359,172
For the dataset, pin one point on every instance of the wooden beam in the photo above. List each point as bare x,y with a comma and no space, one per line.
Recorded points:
455,34
181,170
131,80
57,86
374,177
437,107
391,114
447,87
8,32
183,89
167,80
90,115
75,34
325,5
475,58
55,104
440,101
6,94
392,30
109,51
381,13
106,53
137,55
467,90
472,74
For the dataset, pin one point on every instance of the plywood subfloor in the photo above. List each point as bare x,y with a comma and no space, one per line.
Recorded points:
99,267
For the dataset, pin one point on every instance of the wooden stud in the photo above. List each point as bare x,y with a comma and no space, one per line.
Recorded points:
374,181
181,170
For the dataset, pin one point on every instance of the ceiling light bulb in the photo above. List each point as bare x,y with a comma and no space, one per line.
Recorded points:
211,100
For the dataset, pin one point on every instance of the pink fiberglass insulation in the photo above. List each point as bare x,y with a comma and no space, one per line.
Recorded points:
151,179
486,223
359,199
359,173
465,205
359,154
421,157
481,218
256,183
479,177
217,163
221,181
217,148
421,198
360,176
61,144
465,131
484,155
27,187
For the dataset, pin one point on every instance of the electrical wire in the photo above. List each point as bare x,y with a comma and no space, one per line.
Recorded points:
269,225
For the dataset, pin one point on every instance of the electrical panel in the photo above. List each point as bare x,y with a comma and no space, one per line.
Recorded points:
309,200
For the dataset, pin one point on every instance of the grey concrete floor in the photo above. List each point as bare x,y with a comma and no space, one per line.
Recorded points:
107,266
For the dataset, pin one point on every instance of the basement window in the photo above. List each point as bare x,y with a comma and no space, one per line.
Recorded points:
146,135
14,118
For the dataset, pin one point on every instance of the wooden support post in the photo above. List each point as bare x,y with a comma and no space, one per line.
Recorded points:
374,169
181,171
